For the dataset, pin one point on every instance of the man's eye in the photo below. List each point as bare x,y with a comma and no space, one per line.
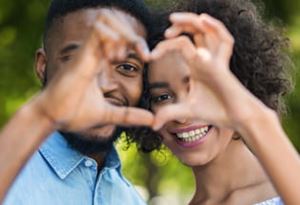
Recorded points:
127,69
161,98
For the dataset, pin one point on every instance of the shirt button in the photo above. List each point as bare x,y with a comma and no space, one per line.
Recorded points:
88,163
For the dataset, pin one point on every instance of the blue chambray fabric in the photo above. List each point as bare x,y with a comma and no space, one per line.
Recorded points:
274,201
59,175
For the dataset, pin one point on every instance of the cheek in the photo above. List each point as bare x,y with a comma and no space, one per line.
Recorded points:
226,136
50,71
222,140
132,89
167,139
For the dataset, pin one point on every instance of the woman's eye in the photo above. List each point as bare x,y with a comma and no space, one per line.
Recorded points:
161,98
127,69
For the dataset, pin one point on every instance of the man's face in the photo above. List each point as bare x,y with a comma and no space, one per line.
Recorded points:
121,84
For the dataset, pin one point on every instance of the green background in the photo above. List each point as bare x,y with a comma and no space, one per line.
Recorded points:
159,176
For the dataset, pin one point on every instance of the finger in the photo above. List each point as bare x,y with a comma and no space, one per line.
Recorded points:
125,30
182,44
128,116
173,31
176,30
202,23
226,40
106,33
214,30
189,22
170,113
107,39
142,49
199,40
211,24
192,23
118,25
122,53
110,51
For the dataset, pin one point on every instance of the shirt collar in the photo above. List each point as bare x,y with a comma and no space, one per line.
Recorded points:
112,160
63,159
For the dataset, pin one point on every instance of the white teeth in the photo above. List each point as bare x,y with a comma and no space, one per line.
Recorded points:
193,135
185,135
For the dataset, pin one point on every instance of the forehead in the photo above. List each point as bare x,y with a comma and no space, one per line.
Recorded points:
76,25
171,67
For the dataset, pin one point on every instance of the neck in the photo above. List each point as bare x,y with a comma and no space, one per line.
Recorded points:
234,169
99,158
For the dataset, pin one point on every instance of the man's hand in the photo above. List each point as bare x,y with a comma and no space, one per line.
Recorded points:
72,100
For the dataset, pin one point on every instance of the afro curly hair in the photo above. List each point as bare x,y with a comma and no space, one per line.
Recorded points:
260,59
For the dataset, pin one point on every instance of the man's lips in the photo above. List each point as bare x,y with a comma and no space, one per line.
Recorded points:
116,101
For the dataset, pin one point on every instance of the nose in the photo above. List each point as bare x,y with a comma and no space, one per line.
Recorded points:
106,81
181,121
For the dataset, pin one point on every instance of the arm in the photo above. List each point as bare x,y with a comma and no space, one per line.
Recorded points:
18,141
227,102
266,138
58,108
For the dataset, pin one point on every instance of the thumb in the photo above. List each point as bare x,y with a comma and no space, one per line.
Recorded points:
169,113
128,116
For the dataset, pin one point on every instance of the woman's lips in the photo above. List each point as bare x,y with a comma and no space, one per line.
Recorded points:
192,136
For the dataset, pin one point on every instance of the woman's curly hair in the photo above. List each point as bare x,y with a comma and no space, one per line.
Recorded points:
260,60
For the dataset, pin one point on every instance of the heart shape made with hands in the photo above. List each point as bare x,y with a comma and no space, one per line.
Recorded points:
212,93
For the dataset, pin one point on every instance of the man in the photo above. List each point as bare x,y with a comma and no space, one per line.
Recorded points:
91,65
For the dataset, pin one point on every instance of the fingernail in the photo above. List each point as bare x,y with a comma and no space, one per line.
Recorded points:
143,47
146,50
169,32
175,16
156,127
154,54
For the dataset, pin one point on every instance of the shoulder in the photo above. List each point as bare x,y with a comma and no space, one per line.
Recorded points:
29,181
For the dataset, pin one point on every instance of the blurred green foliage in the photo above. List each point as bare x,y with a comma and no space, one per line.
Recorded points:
21,27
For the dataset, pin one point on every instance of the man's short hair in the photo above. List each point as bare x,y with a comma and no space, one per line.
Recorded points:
60,8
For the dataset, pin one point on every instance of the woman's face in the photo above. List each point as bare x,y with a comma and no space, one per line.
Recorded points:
194,142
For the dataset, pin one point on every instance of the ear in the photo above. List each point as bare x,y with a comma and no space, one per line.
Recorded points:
40,64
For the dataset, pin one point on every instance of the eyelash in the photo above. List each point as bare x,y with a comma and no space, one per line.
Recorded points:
122,68
65,58
161,98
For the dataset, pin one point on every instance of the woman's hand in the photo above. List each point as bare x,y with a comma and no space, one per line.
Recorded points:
215,94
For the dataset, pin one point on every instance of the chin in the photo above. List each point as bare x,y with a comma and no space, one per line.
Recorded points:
93,141
194,161
105,132
193,158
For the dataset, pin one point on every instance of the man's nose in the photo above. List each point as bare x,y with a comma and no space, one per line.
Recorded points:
107,82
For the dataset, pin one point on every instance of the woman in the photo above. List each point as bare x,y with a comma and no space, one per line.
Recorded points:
199,90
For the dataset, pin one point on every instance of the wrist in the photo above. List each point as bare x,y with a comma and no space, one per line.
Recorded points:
257,123
35,109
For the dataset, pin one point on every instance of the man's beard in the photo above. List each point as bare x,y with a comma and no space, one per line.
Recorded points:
91,144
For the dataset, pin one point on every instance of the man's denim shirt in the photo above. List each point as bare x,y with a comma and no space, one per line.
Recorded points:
59,175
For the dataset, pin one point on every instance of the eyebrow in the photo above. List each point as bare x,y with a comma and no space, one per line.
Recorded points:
136,57
69,48
158,85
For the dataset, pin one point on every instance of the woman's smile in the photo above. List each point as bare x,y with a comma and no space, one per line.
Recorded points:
191,136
